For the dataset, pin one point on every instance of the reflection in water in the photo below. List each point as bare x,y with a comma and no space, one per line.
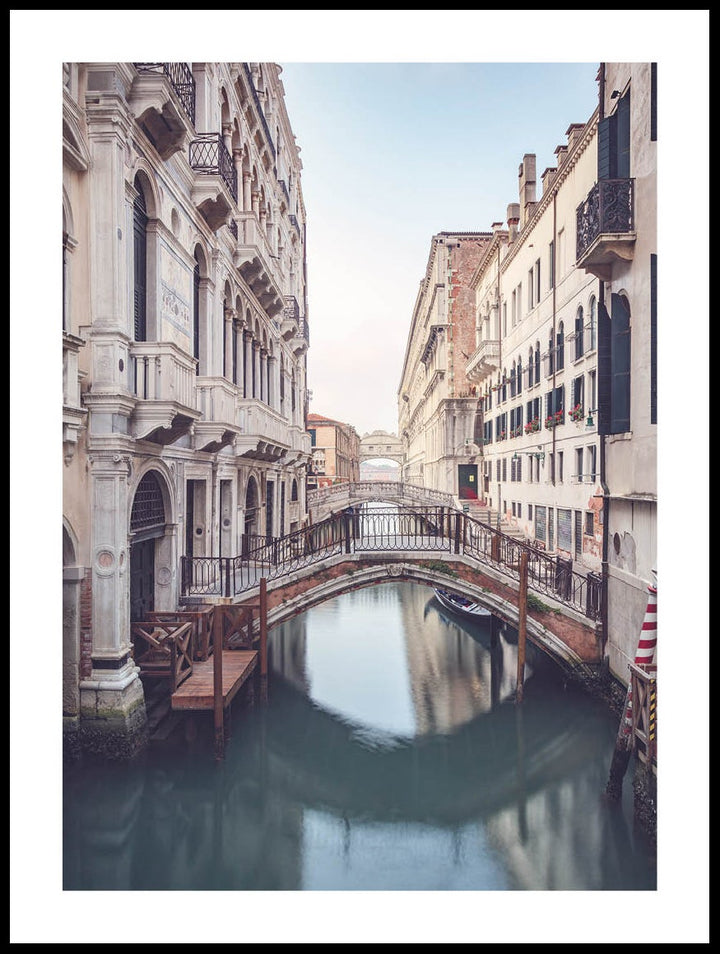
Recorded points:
390,756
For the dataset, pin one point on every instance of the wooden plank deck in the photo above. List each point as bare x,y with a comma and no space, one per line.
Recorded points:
197,690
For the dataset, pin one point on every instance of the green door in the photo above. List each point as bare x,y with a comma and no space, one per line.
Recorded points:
467,482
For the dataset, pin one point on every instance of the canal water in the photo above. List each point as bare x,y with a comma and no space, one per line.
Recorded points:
390,756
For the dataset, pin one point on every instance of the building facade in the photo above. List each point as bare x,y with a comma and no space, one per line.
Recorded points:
439,418
335,452
185,332
559,382
617,244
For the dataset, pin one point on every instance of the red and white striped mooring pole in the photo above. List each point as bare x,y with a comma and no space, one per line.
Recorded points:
645,652
644,656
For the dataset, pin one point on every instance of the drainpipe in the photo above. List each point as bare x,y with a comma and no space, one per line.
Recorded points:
603,480
606,524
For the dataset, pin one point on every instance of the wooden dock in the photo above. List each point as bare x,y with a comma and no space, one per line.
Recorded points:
197,692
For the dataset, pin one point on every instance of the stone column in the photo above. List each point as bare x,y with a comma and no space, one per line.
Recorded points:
229,315
112,702
240,353
256,368
263,373
247,198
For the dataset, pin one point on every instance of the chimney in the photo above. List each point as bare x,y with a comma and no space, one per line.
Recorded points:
561,153
548,177
496,227
574,134
526,184
513,218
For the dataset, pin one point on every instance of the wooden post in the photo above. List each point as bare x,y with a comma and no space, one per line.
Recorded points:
217,682
522,626
263,639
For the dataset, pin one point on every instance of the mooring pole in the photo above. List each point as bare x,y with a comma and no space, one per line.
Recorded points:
522,626
263,639
217,682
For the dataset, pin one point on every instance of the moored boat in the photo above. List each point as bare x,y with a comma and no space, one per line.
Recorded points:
461,605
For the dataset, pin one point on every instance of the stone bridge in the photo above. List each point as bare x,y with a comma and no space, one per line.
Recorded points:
328,500
435,547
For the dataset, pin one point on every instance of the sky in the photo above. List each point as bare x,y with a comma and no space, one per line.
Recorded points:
395,148
392,154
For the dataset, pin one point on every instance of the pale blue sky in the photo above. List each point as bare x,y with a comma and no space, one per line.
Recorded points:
392,154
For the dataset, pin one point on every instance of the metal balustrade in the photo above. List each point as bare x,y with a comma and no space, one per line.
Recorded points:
392,529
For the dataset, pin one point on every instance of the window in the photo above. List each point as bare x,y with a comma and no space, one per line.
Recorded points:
592,390
513,308
140,220
560,261
591,458
531,289
579,464
564,530
551,528
504,469
578,534
551,265
529,511
592,326
537,280
519,376
540,515
537,362
560,466
550,357
560,344
589,523
579,334
519,302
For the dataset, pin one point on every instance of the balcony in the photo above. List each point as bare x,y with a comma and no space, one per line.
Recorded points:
162,99
163,382
605,227
216,399
74,414
253,258
301,341
263,433
483,361
214,190
290,324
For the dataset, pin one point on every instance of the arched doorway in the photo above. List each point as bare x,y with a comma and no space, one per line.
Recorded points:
147,525
252,500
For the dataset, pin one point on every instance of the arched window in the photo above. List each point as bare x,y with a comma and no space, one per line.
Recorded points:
519,376
551,354
140,219
592,325
579,333
294,490
512,380
196,313
560,348
537,362
148,509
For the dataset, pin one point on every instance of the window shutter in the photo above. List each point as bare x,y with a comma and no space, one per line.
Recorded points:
603,371
620,364
605,147
623,138
653,339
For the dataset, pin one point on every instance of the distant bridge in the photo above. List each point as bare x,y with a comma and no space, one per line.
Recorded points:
435,546
325,501
382,445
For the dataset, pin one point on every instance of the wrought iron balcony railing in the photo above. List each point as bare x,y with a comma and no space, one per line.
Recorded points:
181,80
209,156
608,209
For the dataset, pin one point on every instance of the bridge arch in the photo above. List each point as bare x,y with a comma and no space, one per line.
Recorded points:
569,639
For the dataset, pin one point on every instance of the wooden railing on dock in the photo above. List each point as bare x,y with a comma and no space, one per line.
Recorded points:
163,649
201,618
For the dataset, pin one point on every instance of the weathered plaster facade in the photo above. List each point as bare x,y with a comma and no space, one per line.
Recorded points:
185,332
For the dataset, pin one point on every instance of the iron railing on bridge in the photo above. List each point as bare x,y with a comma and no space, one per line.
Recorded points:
391,530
